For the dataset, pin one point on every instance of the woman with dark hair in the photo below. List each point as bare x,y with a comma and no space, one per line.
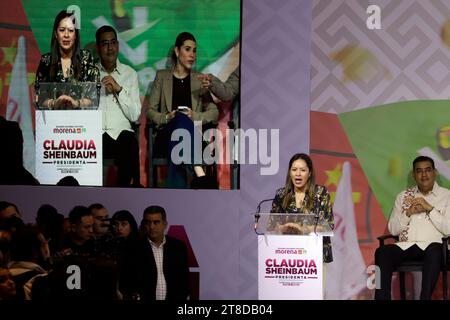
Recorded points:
176,100
66,62
301,194
128,254
125,226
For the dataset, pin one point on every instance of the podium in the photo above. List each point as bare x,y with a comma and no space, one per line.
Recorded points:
68,139
290,256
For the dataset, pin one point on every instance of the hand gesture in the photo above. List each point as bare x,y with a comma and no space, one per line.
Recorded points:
189,113
170,115
291,228
206,80
111,86
66,101
418,205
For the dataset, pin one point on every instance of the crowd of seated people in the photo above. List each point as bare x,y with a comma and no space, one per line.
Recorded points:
94,257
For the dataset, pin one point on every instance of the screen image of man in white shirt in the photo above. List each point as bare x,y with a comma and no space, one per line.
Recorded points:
121,106
420,218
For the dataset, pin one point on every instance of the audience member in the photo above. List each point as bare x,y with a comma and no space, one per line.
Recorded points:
80,239
100,214
7,285
166,269
12,171
50,223
8,209
129,255
68,181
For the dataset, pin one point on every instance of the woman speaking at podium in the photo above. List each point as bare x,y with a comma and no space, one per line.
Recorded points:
302,195
66,62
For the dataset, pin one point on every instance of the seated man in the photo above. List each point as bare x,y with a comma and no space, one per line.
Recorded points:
121,106
101,220
80,239
166,268
420,219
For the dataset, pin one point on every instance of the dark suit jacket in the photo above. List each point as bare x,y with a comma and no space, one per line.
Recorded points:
176,271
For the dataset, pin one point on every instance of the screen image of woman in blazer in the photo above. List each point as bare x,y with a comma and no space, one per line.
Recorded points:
177,98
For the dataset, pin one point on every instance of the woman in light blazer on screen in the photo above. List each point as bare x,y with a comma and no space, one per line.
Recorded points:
176,100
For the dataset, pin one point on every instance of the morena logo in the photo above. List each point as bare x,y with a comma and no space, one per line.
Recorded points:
290,251
69,130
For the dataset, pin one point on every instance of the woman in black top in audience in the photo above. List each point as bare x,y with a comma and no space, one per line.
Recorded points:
128,253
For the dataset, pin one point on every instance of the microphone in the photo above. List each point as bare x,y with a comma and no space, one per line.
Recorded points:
99,83
37,92
316,221
257,215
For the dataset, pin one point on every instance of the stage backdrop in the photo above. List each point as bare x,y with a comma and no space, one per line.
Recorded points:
384,94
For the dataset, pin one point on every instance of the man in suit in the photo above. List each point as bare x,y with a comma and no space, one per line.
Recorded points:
166,269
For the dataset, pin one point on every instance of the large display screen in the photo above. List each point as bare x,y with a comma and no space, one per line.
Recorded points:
146,31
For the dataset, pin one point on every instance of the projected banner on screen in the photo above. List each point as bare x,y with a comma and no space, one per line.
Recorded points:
69,143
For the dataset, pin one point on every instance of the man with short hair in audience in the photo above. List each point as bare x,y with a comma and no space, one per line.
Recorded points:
101,222
80,239
7,285
166,269
8,209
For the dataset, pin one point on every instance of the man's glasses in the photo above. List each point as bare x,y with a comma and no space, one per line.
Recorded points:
426,170
105,43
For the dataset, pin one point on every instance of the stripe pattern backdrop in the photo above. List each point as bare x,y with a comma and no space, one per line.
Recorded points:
274,94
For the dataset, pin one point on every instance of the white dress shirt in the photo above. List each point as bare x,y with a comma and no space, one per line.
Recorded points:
161,284
421,228
121,109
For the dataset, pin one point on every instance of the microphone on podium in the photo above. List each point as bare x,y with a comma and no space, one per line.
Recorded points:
316,221
257,215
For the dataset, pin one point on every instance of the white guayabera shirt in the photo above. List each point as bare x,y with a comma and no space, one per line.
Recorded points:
421,228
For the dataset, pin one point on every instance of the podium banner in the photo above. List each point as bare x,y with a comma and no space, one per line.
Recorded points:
69,143
290,267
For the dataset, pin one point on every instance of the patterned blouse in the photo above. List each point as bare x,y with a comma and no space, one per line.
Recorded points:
321,204
88,70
